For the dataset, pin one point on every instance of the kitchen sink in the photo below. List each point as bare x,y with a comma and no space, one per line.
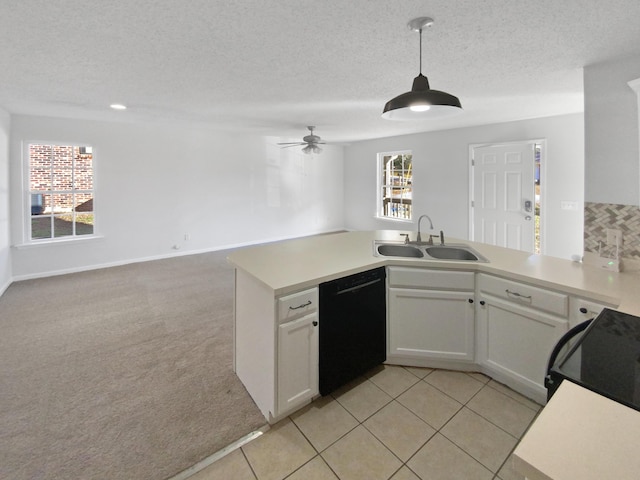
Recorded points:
444,252
456,252
399,251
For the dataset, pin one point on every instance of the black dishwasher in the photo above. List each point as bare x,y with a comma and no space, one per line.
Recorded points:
352,327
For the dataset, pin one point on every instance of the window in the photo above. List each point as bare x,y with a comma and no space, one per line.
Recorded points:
60,191
396,185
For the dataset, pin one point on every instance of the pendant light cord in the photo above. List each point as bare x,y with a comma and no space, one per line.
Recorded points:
420,31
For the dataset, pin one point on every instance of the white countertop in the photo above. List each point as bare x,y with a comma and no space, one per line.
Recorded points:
581,435
300,263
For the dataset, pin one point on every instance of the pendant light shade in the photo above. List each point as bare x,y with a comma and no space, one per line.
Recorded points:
421,102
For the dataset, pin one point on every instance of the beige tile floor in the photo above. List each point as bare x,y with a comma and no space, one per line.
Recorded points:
395,423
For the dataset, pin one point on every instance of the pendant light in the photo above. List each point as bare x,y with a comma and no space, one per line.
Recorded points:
421,102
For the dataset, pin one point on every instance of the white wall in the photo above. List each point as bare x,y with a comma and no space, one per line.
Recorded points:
5,251
612,172
156,183
441,177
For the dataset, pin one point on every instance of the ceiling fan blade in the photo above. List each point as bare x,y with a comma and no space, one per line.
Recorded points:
292,143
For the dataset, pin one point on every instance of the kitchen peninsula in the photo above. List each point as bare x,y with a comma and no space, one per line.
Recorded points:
277,318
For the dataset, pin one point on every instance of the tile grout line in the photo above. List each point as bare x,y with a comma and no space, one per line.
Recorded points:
246,459
318,453
488,420
361,423
394,398
516,445
465,405
436,430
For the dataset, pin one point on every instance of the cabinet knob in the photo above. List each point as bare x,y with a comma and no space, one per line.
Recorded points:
471,300
583,310
482,302
314,323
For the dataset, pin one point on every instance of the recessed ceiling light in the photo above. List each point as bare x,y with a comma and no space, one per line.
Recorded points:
118,106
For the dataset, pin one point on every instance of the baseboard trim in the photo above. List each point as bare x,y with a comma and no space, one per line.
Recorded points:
118,263
3,288
66,271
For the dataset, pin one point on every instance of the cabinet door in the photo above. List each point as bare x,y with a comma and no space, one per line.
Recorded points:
516,342
297,362
431,324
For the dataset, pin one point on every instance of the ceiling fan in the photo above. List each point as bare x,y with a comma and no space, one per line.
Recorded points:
310,142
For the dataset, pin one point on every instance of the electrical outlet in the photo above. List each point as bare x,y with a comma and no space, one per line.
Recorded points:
614,237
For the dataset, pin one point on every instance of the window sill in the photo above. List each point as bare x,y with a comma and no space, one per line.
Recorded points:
63,241
394,220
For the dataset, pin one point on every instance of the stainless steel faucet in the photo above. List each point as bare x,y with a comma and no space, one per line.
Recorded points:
419,237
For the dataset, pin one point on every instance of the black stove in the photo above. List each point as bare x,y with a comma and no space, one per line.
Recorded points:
604,359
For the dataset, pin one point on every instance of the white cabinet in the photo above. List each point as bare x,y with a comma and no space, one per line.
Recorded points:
276,346
430,317
518,326
297,365
441,318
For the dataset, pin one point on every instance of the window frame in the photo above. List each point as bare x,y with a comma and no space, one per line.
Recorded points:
27,216
380,186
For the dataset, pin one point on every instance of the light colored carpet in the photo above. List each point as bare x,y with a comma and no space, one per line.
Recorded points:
120,373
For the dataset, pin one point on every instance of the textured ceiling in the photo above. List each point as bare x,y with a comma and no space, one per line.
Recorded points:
272,67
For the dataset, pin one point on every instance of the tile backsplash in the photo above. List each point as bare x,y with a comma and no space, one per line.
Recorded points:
598,217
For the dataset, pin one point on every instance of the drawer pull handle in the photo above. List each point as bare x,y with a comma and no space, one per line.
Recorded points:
516,294
301,306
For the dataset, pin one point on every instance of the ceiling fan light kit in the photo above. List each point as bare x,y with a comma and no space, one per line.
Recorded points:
309,149
421,102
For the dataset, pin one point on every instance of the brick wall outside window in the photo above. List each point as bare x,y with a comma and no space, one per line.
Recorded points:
61,178
61,191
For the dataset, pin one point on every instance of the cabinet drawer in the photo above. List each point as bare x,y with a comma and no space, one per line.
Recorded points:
525,295
435,279
297,304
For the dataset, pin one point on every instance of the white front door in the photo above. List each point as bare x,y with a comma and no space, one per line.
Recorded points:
503,195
